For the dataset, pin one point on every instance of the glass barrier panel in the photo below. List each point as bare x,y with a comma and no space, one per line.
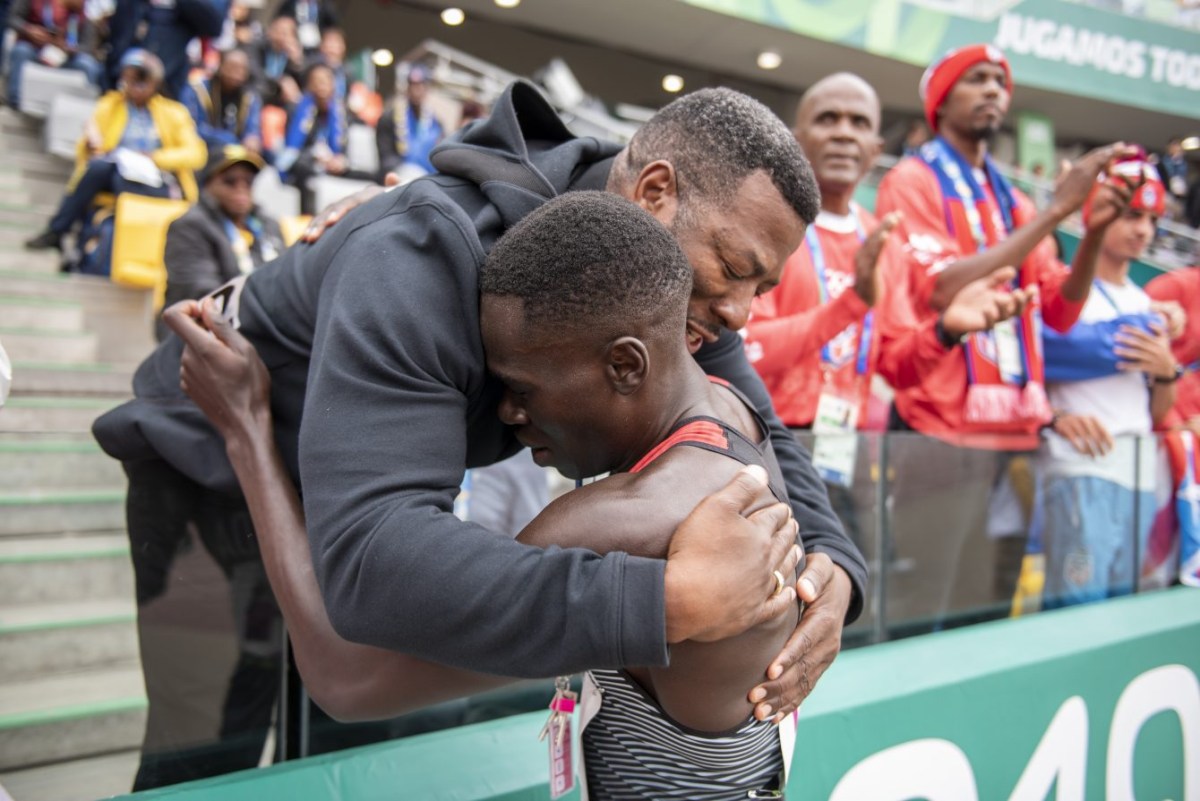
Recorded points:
211,636
858,507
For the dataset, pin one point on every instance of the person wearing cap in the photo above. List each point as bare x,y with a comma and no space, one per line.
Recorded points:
224,235
54,33
136,141
225,108
963,222
1099,481
408,131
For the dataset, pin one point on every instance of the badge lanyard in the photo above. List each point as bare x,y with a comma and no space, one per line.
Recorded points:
241,250
813,242
835,450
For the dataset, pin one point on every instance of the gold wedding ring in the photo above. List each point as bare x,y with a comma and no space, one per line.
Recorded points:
779,583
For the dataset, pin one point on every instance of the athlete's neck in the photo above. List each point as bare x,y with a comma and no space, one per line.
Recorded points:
679,392
973,148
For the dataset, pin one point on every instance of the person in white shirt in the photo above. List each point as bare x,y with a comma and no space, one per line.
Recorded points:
1097,461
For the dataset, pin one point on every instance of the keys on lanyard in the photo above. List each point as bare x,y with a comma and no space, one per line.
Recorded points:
558,730
562,705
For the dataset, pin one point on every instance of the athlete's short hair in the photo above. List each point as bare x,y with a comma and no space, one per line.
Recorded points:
592,261
715,139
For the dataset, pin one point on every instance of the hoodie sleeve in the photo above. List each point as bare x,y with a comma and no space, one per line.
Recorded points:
820,529
396,362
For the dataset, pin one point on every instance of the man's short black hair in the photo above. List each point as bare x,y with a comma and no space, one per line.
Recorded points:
592,261
716,138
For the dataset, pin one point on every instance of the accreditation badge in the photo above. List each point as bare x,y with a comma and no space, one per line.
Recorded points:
836,446
1008,351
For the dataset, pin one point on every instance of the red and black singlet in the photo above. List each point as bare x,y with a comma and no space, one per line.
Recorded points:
711,434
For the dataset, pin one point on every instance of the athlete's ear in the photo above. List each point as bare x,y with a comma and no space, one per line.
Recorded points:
628,364
657,191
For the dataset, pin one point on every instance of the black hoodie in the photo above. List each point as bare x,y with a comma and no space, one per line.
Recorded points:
373,333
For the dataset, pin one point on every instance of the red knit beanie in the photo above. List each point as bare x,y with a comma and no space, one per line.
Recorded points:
1151,196
941,76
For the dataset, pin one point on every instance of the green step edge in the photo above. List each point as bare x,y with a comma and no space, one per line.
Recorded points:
51,446
42,332
74,367
44,717
70,556
54,402
48,498
55,278
18,300
76,623
24,225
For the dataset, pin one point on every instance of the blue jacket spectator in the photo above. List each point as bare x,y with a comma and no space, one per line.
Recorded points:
315,139
278,64
408,131
225,107
56,33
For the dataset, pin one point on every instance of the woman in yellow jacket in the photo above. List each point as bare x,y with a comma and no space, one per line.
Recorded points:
136,141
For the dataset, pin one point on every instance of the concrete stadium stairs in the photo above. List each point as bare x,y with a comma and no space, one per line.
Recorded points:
70,683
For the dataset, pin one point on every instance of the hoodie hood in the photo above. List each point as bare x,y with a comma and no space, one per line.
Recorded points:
520,156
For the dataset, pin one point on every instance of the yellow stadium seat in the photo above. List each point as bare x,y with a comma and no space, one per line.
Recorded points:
292,227
140,239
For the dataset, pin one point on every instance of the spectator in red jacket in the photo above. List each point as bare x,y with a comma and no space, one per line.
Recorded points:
1180,289
963,222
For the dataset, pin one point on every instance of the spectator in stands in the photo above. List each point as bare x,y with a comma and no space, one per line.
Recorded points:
164,29
311,17
963,222
315,141
1120,355
4,7
240,30
225,108
136,141
279,64
1173,171
224,235
916,135
55,33
333,53
1182,288
408,130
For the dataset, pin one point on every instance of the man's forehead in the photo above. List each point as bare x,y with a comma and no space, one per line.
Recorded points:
984,68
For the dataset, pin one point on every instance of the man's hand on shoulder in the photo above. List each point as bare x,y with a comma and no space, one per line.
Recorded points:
335,211
826,591
720,579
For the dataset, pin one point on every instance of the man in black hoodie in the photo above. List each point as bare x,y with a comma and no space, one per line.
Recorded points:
381,398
